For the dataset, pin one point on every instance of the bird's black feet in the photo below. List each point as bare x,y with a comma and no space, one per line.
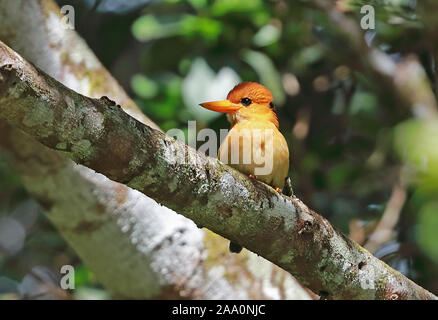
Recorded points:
235,247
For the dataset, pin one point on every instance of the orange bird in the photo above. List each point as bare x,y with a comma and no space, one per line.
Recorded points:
254,131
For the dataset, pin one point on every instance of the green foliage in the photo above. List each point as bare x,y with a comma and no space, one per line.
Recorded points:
417,143
148,27
143,86
357,137
347,136
427,229
267,73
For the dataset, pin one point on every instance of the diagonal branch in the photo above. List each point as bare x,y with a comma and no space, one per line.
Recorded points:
135,247
98,134
385,228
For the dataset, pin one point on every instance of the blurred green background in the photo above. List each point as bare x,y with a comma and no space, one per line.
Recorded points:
351,144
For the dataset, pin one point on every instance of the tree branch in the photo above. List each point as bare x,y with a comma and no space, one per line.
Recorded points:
98,134
123,236
405,82
390,217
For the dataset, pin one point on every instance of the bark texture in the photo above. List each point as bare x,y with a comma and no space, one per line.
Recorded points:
135,247
98,134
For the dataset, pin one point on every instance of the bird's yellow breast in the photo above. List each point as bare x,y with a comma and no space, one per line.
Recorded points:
257,148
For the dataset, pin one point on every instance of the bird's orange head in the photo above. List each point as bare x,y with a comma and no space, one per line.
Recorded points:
246,101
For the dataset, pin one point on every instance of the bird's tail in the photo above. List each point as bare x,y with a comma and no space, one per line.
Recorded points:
287,189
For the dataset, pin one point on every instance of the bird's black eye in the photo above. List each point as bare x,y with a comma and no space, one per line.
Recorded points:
246,102
271,104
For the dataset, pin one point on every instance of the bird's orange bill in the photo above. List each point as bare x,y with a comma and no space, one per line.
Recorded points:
223,106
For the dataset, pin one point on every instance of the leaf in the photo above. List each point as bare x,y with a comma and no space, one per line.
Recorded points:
267,72
202,84
148,28
416,142
222,7
86,293
427,229
267,35
143,86
363,102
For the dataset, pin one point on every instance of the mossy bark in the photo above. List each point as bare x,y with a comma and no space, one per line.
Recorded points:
98,134
136,248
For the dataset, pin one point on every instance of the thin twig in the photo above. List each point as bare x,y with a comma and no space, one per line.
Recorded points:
385,228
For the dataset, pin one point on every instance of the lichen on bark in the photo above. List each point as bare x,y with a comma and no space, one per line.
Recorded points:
73,196
279,228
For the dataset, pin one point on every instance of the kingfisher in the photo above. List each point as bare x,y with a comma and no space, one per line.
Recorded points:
253,134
